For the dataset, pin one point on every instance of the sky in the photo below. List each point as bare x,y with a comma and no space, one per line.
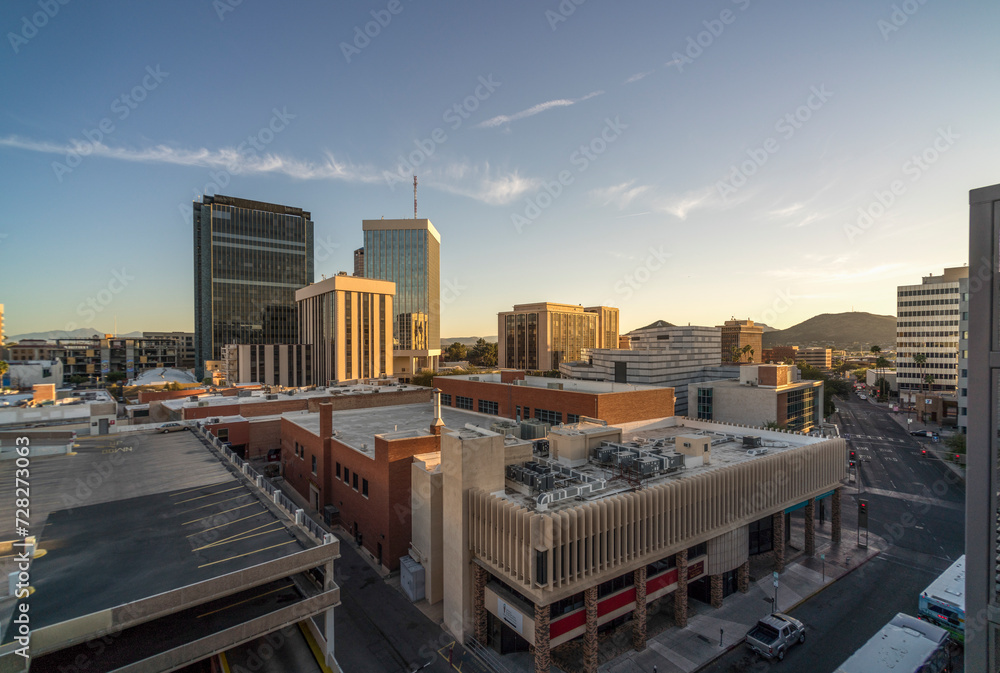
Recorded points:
688,162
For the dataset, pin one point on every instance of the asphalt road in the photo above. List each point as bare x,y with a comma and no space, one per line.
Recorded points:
915,505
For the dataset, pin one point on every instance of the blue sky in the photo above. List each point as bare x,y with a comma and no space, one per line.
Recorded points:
683,161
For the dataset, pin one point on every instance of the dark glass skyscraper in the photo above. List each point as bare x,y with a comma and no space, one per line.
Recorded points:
249,259
408,252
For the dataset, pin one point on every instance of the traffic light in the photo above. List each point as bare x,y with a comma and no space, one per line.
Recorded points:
851,464
862,513
854,454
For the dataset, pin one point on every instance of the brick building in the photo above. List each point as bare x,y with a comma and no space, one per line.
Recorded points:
512,394
738,334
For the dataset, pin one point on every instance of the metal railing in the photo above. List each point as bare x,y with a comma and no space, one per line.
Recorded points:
291,509
487,657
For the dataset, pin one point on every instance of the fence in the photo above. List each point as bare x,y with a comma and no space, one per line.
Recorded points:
294,512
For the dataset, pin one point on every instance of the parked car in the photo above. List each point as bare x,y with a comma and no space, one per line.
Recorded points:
170,427
923,433
774,634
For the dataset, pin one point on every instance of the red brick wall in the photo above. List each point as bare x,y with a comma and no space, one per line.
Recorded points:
368,401
264,436
381,518
239,431
147,396
192,413
508,375
623,407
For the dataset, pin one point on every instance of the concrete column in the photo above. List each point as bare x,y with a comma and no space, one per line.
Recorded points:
835,516
778,540
590,636
743,577
480,576
543,656
681,593
811,527
639,616
329,654
716,591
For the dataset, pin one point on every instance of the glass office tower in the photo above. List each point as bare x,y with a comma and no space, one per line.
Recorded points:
249,259
408,252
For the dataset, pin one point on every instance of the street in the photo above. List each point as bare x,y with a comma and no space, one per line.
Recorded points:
915,504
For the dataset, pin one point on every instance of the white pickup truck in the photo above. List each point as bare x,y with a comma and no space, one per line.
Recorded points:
774,634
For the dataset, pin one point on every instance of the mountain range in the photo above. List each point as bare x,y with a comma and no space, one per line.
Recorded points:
79,333
465,341
842,331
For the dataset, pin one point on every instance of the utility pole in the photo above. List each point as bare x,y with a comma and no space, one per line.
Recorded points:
414,197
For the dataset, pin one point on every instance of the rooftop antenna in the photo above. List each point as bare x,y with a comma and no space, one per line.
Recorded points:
414,197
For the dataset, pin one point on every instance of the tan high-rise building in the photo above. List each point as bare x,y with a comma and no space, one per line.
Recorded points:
348,322
736,335
541,336
408,253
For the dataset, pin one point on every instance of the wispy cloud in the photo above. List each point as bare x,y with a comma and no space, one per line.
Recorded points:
864,273
639,75
228,158
682,205
482,183
621,195
500,120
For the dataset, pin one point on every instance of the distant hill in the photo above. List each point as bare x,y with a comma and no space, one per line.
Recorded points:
80,333
466,341
846,331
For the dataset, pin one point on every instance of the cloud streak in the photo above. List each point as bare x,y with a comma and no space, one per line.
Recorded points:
500,120
639,75
482,183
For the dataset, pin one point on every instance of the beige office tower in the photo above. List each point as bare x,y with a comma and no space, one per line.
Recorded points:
347,321
408,253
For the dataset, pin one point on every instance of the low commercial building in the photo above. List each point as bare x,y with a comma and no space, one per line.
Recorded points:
763,394
183,342
285,365
544,551
26,373
513,394
820,358
33,350
873,375
95,410
661,354
97,357
780,354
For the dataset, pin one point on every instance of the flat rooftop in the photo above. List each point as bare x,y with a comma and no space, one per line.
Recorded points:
357,427
736,383
592,387
130,516
259,396
726,450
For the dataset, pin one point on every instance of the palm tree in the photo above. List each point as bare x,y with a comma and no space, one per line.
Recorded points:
748,351
880,365
920,359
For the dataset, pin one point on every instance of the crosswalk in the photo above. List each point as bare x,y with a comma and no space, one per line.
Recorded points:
873,438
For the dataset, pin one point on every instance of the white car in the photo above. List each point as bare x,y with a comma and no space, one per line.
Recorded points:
863,396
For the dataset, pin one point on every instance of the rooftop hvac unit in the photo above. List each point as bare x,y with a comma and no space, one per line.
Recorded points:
270,396
751,442
512,471
244,393
648,465
604,454
203,404
545,482
554,386
540,447
473,378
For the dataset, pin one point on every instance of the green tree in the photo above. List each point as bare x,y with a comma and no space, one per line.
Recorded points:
747,350
455,353
483,354
114,377
956,443
880,365
920,360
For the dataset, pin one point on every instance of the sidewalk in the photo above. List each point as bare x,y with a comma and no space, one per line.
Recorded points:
675,650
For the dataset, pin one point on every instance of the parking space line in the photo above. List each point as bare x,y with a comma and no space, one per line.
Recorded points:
208,495
233,605
209,516
205,530
213,504
239,536
192,490
274,546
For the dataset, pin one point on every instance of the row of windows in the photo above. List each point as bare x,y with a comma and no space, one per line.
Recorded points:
937,377
916,335
940,311
445,400
463,402
928,291
487,407
927,302
300,451
927,323
900,345
352,480
926,365
546,416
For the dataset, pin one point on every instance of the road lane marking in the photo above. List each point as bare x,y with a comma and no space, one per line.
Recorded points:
205,530
205,565
209,516
213,504
916,498
192,490
208,495
239,536
233,605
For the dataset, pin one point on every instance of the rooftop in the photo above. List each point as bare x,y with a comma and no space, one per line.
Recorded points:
357,427
653,440
573,385
258,396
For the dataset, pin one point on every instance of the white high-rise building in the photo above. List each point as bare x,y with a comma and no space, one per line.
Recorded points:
928,322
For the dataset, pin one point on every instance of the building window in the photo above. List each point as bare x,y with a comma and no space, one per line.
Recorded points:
698,550
338,470
314,464
364,487
761,539
572,418
546,416
487,407
347,476
463,402
705,404
354,483
445,400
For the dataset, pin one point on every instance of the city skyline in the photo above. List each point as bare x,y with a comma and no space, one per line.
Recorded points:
701,149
